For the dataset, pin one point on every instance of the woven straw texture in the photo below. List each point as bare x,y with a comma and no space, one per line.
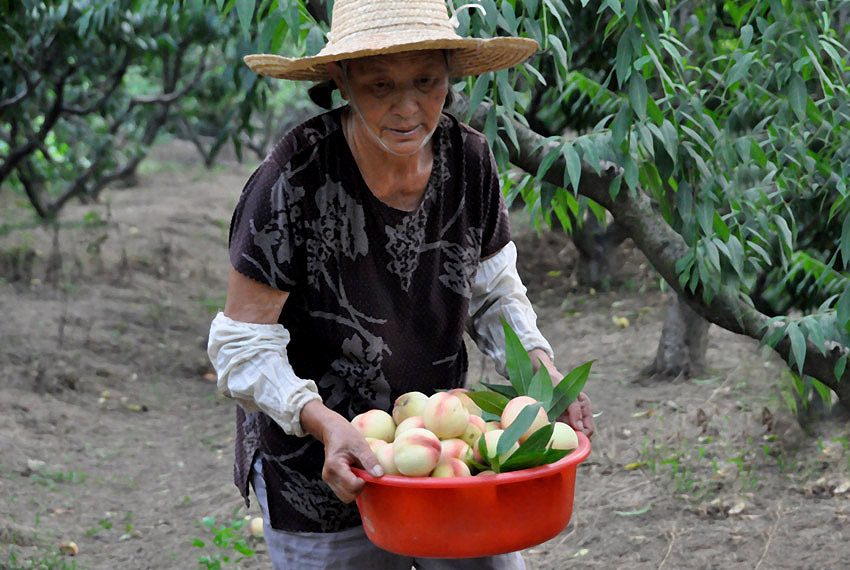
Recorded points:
360,28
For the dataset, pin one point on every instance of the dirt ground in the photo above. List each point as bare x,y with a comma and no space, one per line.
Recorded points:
112,435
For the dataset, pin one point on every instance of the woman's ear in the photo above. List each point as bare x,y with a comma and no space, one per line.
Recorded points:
335,71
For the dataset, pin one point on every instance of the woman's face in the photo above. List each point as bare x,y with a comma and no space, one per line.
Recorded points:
399,96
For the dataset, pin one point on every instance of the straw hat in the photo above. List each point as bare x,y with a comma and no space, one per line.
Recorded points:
361,28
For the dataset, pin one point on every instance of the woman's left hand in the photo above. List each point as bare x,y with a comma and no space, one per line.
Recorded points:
579,415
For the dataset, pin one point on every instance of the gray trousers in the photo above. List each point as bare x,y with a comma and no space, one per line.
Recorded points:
352,550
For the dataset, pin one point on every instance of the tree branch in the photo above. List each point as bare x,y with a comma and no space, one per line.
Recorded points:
634,211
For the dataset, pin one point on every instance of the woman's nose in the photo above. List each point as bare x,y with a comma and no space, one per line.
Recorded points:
407,99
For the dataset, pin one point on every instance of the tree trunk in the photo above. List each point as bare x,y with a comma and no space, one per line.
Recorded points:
597,251
681,350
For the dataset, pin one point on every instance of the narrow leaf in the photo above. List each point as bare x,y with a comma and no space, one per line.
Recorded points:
797,97
573,169
568,390
798,345
503,389
518,363
491,402
541,387
638,94
519,426
245,11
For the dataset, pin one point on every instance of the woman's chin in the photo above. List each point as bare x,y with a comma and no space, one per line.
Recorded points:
404,143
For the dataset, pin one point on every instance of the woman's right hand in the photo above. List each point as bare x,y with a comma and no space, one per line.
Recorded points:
345,447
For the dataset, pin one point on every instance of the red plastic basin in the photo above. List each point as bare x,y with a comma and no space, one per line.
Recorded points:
466,517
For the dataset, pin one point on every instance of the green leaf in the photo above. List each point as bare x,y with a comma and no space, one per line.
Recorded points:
315,41
556,44
638,94
491,402
518,363
538,440
797,97
536,459
840,365
541,387
633,513
823,391
245,11
757,153
844,245
623,63
503,389
573,170
740,69
620,125
270,27
567,390
198,542
518,427
720,227
243,548
842,308
479,90
631,8
746,36
549,160
491,125
798,344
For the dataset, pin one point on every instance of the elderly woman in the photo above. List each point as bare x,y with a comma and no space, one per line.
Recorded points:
364,245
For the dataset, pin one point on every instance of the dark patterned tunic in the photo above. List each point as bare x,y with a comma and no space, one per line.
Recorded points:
378,297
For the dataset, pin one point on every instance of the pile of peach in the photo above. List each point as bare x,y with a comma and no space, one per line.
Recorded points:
442,435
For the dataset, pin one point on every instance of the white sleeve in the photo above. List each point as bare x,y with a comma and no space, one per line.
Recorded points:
498,292
253,369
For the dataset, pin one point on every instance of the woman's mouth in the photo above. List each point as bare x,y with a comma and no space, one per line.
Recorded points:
404,131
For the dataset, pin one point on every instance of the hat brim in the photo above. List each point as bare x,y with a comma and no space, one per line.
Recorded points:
470,56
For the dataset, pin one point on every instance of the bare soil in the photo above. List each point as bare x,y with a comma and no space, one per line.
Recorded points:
112,435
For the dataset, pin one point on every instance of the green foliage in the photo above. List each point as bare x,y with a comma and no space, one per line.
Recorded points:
41,561
538,385
230,545
86,87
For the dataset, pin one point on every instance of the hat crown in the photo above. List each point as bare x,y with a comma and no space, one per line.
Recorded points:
353,18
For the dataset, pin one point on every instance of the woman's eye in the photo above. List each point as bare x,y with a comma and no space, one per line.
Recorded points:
426,82
381,87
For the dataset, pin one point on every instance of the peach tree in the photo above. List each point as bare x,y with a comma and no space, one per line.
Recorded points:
714,134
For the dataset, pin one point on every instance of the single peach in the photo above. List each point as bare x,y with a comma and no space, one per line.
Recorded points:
451,467
386,458
445,415
474,429
491,439
563,437
375,423
416,452
408,423
513,409
454,447
407,405
467,402
255,527
375,444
